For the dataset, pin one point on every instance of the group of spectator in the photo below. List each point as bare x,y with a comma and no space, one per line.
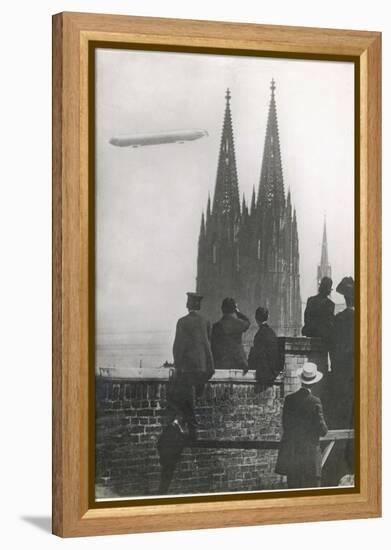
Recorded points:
337,333
199,348
307,416
337,391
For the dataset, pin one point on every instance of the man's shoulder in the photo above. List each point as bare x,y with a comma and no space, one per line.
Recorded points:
291,401
320,302
217,324
317,300
300,398
182,320
313,302
234,325
292,397
346,313
314,398
191,318
300,394
217,329
267,330
224,321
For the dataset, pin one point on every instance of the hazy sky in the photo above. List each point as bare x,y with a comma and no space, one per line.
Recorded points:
149,200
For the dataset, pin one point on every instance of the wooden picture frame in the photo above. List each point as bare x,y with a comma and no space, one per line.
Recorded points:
73,33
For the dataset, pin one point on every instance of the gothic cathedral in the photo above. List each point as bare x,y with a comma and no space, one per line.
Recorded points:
251,253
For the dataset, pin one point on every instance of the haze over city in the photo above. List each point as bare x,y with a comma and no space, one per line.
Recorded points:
149,200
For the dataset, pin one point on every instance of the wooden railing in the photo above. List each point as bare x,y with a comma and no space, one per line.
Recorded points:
331,437
168,469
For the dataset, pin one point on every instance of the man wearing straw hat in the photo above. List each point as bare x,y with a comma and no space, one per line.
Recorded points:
303,423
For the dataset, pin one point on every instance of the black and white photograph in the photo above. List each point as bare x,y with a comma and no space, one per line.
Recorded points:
224,307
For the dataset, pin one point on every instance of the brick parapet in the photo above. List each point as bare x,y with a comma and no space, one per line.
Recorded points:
130,414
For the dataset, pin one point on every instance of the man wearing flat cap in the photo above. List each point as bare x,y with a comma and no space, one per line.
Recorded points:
303,423
193,360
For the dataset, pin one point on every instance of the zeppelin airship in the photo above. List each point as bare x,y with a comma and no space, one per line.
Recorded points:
173,136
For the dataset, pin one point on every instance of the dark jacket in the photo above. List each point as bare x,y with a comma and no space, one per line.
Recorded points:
319,318
303,423
264,355
227,348
344,341
342,375
192,351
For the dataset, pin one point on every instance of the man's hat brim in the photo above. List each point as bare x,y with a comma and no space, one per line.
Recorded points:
194,296
308,381
346,287
193,300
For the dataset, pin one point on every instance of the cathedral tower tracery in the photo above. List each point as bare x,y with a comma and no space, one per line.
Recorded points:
251,253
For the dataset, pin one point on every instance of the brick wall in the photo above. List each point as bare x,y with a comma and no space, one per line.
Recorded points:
297,351
130,416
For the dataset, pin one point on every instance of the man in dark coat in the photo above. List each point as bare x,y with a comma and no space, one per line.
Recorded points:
342,376
170,445
319,316
264,355
303,423
193,361
227,348
340,413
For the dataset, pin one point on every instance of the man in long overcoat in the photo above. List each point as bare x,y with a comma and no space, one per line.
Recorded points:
193,361
227,347
303,423
319,316
264,356
340,413
342,376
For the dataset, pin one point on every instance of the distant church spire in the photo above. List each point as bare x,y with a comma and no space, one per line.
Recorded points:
271,185
324,268
226,197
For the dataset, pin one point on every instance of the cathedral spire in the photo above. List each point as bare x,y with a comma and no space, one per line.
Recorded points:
226,197
253,202
289,205
325,256
271,185
202,230
324,268
208,211
244,206
295,242
249,248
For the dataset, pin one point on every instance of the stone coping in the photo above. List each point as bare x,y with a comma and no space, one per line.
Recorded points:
301,346
163,375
